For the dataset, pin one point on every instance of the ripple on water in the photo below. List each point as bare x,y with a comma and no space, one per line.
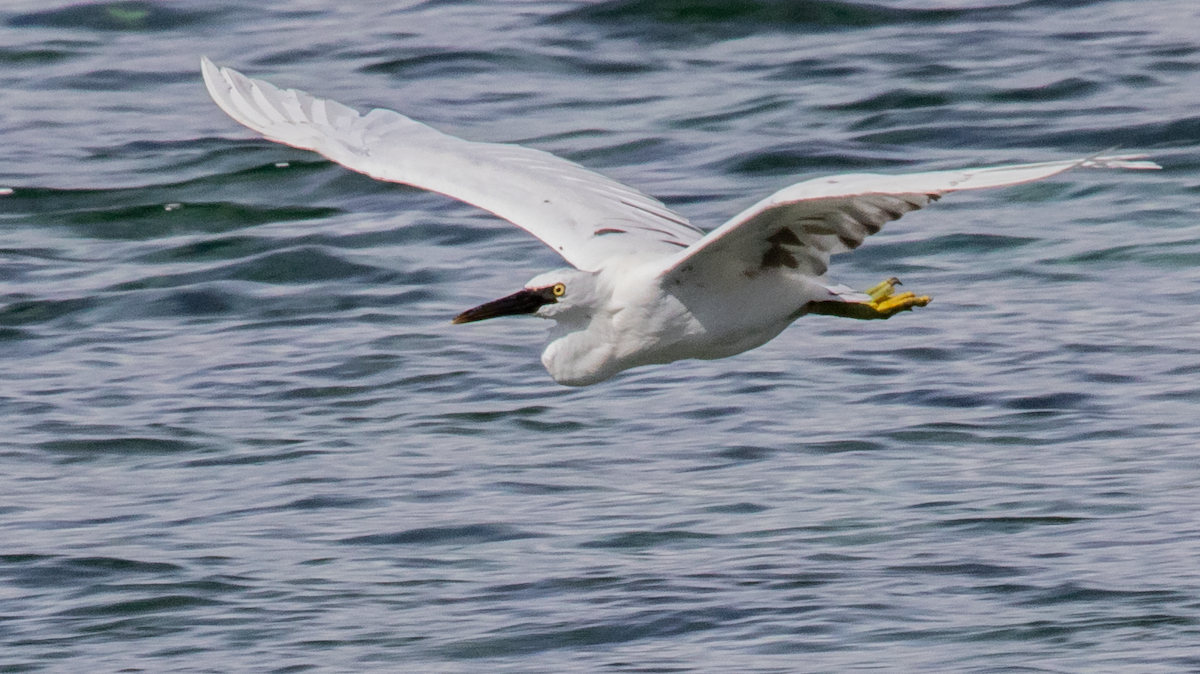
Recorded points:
132,15
240,433
468,534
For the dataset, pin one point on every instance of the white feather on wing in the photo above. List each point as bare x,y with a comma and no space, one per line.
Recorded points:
584,216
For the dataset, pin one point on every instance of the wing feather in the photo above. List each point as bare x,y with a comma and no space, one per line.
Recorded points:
558,201
835,214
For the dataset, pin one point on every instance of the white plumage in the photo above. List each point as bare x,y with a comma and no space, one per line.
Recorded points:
647,286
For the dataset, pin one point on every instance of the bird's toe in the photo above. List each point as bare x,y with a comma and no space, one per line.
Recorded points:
887,304
894,304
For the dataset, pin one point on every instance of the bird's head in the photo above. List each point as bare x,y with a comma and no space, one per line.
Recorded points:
563,294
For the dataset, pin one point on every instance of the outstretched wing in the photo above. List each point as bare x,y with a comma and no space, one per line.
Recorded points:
799,227
582,215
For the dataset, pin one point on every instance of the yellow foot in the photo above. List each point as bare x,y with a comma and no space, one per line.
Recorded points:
883,303
883,289
886,304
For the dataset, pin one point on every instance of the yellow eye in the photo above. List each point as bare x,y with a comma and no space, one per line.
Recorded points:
558,289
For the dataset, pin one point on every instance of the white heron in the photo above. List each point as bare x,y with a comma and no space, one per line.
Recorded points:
646,286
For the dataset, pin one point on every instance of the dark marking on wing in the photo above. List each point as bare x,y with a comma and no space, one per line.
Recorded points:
784,236
607,230
818,227
776,256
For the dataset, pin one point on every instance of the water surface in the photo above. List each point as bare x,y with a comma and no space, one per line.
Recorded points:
240,433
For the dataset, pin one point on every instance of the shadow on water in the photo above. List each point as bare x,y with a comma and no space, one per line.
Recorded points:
132,16
727,18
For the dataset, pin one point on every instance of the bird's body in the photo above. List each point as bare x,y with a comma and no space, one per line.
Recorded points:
647,287
636,317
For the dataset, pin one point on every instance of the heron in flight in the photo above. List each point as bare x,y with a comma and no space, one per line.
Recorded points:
645,286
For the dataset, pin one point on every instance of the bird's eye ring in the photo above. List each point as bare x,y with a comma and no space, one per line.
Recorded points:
558,289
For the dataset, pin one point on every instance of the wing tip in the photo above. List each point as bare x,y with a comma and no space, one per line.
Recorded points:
1136,162
220,88
242,98
210,72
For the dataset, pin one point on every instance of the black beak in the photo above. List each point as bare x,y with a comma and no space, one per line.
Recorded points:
524,302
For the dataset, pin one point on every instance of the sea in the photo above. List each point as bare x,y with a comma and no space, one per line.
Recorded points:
238,432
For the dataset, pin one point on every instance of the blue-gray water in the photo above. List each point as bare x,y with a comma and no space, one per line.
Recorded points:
240,434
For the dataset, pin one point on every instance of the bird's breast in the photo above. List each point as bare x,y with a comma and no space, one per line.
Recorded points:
645,323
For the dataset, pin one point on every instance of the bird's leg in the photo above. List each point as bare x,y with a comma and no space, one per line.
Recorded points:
883,303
